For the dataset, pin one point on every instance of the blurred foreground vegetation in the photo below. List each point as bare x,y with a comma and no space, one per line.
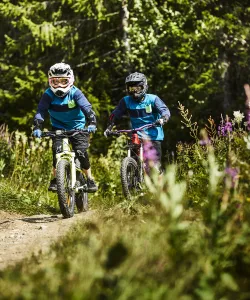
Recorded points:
188,237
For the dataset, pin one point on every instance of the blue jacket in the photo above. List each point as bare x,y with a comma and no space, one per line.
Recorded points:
145,112
68,112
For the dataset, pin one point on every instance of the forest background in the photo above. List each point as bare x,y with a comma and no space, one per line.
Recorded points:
193,52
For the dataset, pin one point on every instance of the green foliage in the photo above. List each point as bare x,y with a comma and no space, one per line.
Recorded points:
5,151
162,252
32,31
191,51
107,173
229,149
32,161
28,202
25,173
189,237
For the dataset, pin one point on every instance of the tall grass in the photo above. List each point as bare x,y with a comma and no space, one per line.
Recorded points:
25,173
187,238
164,251
106,170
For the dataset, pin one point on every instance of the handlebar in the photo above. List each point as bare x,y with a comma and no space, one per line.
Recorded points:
133,130
63,133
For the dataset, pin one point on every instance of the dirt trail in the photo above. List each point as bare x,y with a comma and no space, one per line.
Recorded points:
20,236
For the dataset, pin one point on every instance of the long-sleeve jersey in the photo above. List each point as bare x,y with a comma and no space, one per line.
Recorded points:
68,112
145,112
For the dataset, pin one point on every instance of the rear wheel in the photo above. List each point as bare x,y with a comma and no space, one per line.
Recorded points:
82,196
66,195
129,177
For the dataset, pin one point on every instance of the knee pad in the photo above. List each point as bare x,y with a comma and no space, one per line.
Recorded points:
83,158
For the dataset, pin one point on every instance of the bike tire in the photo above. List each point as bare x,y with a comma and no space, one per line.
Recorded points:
129,177
66,196
81,198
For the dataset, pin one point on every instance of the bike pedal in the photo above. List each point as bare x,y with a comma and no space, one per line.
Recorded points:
82,188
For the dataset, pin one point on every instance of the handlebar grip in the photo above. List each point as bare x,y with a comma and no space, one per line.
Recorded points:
47,134
114,133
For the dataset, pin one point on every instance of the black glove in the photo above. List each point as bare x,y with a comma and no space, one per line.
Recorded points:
38,124
37,130
108,130
161,121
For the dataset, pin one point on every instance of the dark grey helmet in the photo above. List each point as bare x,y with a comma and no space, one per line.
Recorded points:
136,80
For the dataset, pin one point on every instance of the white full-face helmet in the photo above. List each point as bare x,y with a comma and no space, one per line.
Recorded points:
61,79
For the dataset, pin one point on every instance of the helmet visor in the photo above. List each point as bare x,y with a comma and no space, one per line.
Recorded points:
135,89
59,82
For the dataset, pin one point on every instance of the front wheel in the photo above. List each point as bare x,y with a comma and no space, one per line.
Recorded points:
66,195
129,177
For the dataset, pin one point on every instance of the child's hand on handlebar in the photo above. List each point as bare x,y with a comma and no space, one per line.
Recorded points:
160,122
92,128
107,131
37,133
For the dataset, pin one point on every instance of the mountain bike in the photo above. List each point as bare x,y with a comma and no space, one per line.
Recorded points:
71,182
133,165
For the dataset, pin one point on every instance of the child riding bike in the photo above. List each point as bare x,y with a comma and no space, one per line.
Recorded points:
68,109
143,109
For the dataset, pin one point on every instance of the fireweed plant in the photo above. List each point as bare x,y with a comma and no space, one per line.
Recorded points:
229,142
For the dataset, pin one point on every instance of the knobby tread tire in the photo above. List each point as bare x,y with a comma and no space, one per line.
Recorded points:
66,196
81,197
129,165
82,201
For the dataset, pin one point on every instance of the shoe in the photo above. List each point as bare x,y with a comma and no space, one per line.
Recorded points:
92,187
53,185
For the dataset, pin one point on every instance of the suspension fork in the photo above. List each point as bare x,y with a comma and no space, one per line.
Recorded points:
73,170
70,156
141,161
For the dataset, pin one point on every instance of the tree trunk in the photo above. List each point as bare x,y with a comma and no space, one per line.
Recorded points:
226,84
126,43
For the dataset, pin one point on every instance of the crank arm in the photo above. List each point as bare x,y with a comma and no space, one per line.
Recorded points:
82,187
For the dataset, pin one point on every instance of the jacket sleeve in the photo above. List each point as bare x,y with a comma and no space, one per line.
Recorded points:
118,112
85,107
162,108
42,110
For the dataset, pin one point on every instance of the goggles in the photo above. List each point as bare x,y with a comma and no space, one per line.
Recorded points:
59,81
135,89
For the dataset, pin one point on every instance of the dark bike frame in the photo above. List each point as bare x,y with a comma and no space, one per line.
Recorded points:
135,159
